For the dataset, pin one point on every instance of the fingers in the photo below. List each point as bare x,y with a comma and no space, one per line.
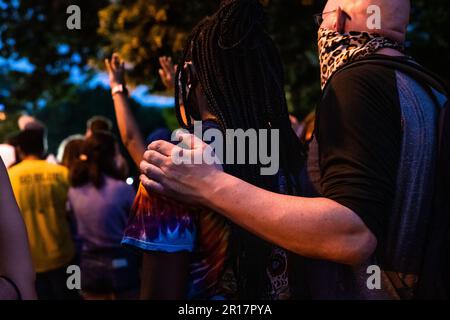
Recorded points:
108,65
152,176
152,171
154,158
164,148
191,141
163,77
162,62
116,63
152,186
166,64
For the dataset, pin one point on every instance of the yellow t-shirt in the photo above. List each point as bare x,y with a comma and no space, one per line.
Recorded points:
41,192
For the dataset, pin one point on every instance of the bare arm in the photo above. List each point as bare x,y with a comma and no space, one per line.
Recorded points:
317,228
15,258
312,227
129,130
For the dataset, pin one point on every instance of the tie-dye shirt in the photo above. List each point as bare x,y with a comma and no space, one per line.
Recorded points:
162,225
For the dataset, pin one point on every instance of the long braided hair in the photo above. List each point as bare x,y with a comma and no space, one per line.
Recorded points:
241,75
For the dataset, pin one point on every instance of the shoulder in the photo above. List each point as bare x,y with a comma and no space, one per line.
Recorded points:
362,90
125,191
119,185
363,80
58,169
17,169
13,170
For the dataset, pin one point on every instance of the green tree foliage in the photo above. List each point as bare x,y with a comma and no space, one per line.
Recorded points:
429,36
142,30
35,31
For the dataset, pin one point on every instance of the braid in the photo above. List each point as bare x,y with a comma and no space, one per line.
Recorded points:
241,74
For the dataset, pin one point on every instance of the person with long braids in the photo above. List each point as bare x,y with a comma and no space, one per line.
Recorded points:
231,77
375,225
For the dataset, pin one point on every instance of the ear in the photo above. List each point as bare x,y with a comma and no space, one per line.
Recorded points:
19,152
340,20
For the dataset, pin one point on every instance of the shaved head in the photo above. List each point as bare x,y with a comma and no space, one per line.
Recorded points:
352,15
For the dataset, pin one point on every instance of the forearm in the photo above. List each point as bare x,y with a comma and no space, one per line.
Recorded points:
312,227
128,128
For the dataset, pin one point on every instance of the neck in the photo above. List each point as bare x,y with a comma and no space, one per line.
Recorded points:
206,115
31,157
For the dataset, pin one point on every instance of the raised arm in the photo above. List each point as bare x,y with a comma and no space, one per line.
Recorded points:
167,72
15,258
129,130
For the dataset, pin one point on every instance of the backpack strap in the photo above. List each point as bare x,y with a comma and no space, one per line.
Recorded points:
426,79
409,67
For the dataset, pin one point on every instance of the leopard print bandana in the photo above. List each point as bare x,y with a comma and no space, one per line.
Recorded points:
336,50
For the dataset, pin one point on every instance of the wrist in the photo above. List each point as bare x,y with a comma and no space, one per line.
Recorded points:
215,185
118,89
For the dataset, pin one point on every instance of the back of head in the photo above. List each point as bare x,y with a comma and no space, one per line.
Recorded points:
96,160
26,122
394,16
240,73
31,142
70,150
98,123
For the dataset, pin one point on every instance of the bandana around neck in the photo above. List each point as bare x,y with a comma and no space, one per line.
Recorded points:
336,50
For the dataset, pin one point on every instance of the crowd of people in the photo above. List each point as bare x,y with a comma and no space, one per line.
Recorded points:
363,181
75,211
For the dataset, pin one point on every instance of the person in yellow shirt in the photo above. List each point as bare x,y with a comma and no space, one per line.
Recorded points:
41,191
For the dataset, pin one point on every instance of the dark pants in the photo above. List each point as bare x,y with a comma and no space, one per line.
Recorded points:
109,271
51,285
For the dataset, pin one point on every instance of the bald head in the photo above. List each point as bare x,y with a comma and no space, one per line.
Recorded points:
352,15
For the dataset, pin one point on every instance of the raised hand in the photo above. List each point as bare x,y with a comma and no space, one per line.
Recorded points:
167,72
116,70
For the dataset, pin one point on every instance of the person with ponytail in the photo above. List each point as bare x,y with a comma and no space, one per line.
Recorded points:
100,203
230,77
